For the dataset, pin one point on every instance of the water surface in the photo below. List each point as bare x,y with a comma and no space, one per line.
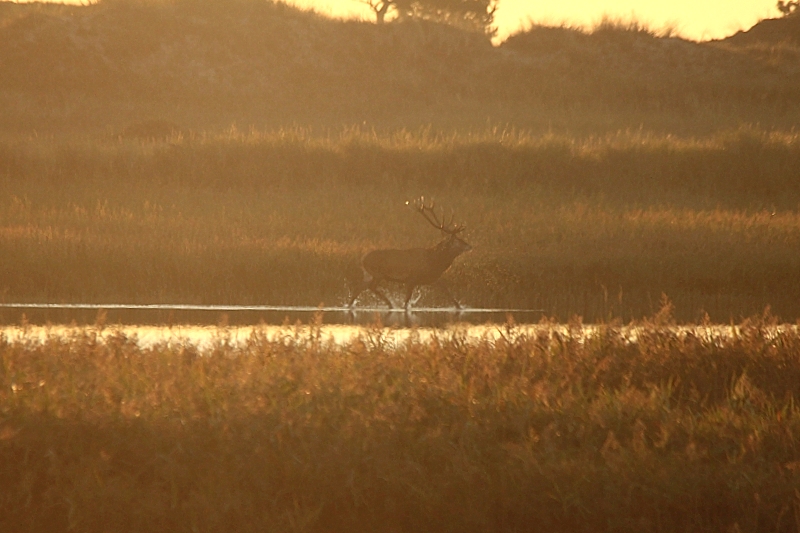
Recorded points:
206,325
158,314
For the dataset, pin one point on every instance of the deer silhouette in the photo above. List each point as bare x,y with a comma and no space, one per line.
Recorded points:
413,266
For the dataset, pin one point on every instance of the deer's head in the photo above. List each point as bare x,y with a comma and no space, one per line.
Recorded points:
452,244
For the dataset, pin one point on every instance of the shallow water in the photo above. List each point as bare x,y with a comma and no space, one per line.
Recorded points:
205,326
84,314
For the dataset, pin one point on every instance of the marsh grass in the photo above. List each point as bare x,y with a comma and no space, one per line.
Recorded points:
597,227
546,431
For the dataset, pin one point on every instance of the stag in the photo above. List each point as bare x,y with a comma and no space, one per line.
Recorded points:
415,266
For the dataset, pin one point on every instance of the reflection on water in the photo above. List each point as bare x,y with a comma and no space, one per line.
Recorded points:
204,315
205,325
208,326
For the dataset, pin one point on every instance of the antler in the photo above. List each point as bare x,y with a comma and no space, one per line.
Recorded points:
429,213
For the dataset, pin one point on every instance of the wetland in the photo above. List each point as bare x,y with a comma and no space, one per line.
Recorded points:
187,189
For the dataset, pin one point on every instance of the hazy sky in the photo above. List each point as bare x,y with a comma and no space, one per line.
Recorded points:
695,19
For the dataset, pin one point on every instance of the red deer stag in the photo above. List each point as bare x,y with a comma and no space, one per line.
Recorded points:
415,266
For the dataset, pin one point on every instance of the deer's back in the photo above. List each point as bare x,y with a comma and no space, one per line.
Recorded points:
412,265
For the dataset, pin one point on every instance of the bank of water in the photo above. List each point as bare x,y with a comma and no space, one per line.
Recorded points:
206,326
207,315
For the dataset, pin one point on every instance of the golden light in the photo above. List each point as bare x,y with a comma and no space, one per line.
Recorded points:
693,19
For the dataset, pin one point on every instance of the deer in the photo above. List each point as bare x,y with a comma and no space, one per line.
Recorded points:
414,267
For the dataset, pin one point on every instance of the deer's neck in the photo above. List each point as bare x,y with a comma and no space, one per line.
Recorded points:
443,253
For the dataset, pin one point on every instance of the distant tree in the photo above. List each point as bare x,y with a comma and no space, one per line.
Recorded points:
380,8
788,7
469,14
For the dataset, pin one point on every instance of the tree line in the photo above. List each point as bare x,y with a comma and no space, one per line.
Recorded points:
475,15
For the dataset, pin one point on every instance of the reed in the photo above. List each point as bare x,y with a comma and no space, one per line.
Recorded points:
597,227
542,431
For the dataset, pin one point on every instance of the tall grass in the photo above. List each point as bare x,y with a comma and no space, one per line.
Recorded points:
597,227
548,431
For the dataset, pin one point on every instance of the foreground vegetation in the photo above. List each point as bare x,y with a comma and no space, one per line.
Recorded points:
595,227
540,431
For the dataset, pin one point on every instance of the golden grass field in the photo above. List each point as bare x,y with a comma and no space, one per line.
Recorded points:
529,432
598,227
248,153
540,431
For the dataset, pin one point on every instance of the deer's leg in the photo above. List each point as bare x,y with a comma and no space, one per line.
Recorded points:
353,295
371,282
361,285
409,294
355,292
379,293
441,283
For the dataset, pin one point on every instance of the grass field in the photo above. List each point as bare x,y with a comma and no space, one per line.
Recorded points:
599,227
246,152
549,431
